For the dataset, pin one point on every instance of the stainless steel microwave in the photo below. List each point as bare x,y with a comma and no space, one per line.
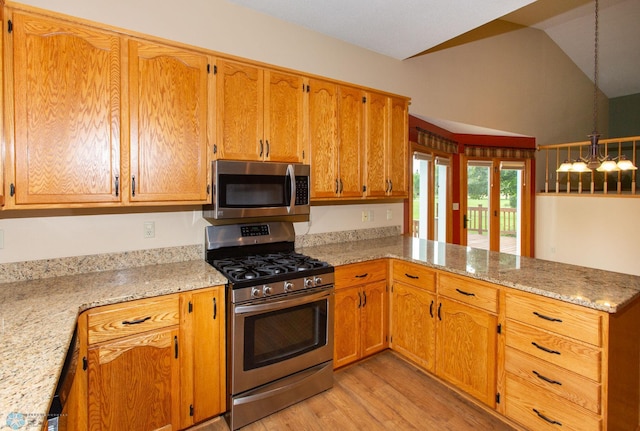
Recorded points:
244,189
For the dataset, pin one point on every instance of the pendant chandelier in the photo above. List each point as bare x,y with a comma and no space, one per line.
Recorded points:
595,160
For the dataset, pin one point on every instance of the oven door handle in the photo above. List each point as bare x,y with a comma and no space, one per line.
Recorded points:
291,174
283,303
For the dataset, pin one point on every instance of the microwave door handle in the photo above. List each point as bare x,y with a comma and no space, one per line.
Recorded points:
292,187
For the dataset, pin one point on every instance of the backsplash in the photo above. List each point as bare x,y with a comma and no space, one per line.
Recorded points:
46,268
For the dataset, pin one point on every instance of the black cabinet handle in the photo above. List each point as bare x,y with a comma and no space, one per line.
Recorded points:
431,309
415,277
261,148
175,345
365,299
133,185
439,308
267,141
337,186
362,275
359,300
551,421
341,185
551,319
465,293
464,221
117,187
544,349
136,322
215,309
546,379
390,186
12,190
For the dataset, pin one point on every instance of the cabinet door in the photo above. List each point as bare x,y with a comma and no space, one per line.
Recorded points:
350,137
323,130
209,352
376,145
64,81
168,90
466,349
283,107
239,111
346,341
374,317
134,383
398,148
413,325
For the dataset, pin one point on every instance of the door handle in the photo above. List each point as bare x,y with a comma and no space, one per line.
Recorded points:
464,221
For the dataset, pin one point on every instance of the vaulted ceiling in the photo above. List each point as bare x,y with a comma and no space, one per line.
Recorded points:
402,29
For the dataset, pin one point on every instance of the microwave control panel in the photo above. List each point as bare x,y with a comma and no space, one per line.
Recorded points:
302,190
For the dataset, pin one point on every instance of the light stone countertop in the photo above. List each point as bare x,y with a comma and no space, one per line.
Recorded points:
37,317
601,290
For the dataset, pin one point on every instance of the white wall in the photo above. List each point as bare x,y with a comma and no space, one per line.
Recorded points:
518,81
598,232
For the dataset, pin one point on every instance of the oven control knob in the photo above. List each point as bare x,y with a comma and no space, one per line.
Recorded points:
308,282
266,290
255,292
288,286
318,281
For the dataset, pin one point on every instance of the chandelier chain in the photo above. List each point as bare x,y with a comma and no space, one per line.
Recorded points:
595,74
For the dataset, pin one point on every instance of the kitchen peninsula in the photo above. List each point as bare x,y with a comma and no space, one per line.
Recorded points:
39,316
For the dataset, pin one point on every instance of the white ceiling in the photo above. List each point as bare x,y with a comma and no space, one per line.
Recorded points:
402,29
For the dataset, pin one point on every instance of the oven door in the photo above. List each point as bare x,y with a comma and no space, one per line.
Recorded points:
274,339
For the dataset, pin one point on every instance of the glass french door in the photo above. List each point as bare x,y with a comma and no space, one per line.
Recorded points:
494,205
430,196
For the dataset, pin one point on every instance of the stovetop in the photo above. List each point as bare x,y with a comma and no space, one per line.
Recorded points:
271,267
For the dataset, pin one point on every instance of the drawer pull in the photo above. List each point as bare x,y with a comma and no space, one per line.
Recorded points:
135,322
362,275
551,421
465,293
415,277
546,379
550,319
555,352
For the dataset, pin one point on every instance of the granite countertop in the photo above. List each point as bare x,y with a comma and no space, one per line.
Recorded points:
37,317
601,290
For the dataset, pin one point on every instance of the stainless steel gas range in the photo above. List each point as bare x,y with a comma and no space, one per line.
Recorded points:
279,322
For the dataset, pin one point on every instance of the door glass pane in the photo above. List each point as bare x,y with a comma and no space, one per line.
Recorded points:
510,210
440,198
420,195
478,193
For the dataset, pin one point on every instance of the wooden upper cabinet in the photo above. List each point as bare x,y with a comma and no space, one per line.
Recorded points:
398,152
336,133
350,137
386,148
169,100
377,115
259,113
323,136
62,112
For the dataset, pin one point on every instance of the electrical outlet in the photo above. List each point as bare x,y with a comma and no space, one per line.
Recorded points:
389,214
365,216
149,228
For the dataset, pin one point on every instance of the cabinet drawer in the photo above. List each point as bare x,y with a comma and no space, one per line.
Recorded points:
572,387
360,273
558,350
119,320
577,322
414,275
539,410
473,292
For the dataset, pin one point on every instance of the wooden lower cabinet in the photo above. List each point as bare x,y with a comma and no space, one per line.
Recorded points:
466,349
134,382
153,364
361,312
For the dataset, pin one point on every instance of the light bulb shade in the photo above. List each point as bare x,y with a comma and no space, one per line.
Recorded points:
565,166
608,166
580,166
626,165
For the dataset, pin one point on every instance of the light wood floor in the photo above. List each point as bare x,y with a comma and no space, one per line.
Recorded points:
383,392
